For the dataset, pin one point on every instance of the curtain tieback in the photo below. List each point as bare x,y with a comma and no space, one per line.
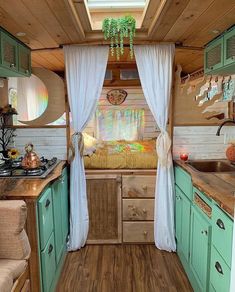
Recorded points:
76,139
163,146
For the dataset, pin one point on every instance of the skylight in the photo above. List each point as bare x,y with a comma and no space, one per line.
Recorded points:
114,4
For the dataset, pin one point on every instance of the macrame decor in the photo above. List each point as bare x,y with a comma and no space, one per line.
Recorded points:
118,29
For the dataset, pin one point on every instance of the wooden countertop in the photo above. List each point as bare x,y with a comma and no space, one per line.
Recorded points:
23,188
218,186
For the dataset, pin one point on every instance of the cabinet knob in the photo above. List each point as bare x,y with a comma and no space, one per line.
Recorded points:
211,67
12,65
50,249
220,224
233,57
219,268
144,211
145,233
178,198
47,203
144,188
204,232
26,71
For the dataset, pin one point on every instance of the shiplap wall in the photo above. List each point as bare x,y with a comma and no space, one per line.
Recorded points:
135,100
200,142
47,142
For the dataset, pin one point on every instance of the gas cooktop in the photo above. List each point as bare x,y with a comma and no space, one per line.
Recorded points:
14,169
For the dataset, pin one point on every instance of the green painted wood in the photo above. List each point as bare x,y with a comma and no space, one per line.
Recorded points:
178,215
45,214
213,56
65,204
184,182
219,272
211,288
57,214
24,60
48,264
229,48
200,242
222,228
9,52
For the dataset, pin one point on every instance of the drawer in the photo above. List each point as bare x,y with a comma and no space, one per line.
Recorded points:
138,209
138,232
48,264
138,186
220,272
184,182
45,217
222,233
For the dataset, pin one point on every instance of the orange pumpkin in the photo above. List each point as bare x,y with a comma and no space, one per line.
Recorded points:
230,152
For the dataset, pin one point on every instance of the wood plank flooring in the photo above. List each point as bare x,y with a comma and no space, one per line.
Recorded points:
122,268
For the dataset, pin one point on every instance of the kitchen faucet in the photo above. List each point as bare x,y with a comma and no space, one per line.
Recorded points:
225,122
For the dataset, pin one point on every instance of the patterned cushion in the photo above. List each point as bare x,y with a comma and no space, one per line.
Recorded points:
14,242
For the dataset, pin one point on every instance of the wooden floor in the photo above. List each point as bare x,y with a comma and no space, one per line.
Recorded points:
122,268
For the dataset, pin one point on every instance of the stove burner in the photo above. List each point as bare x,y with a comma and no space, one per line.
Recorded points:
5,172
36,171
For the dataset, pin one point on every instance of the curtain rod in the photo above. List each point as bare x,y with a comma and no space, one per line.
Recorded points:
178,46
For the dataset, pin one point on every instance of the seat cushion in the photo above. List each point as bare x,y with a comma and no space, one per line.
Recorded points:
14,268
6,281
14,242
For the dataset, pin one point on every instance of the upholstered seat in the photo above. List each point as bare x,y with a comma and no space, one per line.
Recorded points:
14,244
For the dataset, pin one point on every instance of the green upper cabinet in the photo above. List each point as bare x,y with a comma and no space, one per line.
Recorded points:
15,57
24,60
229,48
9,52
200,248
213,58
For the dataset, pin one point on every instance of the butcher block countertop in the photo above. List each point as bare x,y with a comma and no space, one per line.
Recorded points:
27,188
218,186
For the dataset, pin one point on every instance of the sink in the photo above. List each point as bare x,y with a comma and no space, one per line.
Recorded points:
211,166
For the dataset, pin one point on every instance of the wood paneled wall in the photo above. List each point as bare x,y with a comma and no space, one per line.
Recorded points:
135,100
200,142
48,142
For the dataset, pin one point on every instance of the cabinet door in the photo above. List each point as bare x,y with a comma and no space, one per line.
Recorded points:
199,248
229,47
9,52
24,60
182,222
59,242
214,56
65,205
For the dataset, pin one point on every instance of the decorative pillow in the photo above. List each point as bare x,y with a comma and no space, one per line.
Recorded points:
90,144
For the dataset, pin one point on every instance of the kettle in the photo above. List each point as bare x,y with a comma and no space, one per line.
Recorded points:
31,159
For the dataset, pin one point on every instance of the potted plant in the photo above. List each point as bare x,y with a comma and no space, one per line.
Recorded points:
116,30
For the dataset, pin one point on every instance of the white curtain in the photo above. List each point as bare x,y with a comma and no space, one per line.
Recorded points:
154,64
85,71
126,124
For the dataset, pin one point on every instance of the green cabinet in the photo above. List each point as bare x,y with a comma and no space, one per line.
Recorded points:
200,248
182,222
229,48
213,57
15,57
52,223
219,54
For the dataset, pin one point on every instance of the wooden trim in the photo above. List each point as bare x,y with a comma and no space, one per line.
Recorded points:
39,126
156,16
120,171
20,282
31,229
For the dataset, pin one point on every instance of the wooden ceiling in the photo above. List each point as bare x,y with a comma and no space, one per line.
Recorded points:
52,23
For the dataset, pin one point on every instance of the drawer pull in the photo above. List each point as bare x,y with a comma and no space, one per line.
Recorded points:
50,249
204,232
219,268
12,65
144,211
220,223
178,198
47,203
145,233
144,188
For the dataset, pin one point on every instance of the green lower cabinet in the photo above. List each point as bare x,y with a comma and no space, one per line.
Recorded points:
200,249
183,206
48,263
219,272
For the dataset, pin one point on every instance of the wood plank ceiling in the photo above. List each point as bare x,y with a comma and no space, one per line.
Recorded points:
51,23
